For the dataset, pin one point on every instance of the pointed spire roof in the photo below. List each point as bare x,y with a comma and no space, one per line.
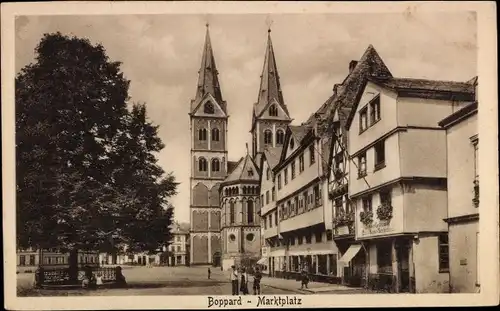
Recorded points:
246,170
270,87
208,81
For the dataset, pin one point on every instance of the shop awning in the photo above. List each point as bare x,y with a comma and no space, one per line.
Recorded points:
351,252
262,261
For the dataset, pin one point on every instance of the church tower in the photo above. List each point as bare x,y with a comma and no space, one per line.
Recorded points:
270,114
208,123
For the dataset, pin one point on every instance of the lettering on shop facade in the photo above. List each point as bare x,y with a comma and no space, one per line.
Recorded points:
377,228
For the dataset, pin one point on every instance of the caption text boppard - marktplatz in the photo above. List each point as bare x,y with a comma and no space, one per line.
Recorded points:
261,301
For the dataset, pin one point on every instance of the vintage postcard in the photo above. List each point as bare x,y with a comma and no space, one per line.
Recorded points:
217,155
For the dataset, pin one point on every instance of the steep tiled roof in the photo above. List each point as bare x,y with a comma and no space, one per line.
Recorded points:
427,85
270,87
240,173
208,81
298,131
272,155
231,165
461,114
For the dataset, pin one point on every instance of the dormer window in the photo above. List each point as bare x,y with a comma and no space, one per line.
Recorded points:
209,108
273,111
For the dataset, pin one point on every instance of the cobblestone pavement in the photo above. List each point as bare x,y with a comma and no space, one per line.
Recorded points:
154,281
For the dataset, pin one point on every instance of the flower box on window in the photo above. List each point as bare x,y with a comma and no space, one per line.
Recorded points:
366,217
384,212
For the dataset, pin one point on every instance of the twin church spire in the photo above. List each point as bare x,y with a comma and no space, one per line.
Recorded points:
270,88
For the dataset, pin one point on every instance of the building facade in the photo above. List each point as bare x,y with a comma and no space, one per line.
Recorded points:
463,198
28,260
240,223
397,179
208,123
178,250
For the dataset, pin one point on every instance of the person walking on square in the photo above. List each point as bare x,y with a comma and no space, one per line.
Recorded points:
256,281
234,280
209,272
304,278
244,282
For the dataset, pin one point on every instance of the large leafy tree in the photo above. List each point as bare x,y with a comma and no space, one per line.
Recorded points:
86,167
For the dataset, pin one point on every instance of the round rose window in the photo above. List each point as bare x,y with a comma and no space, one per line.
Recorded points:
232,237
250,237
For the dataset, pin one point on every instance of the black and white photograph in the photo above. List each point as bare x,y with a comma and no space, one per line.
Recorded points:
249,159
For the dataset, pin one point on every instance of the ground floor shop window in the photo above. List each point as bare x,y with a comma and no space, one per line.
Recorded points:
322,264
332,258
384,257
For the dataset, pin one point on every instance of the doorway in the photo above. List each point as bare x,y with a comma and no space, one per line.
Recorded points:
216,259
403,259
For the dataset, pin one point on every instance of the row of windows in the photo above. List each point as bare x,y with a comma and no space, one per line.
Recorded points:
172,248
385,198
250,237
273,197
203,165
268,137
373,109
301,203
202,134
379,149
245,190
51,260
342,205
312,160
250,213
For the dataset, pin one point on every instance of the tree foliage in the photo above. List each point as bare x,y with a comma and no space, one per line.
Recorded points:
86,167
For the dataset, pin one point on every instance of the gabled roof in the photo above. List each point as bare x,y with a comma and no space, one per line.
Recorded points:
272,155
208,81
240,173
400,84
231,165
180,228
459,115
369,65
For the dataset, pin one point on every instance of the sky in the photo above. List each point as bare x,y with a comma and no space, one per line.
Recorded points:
161,55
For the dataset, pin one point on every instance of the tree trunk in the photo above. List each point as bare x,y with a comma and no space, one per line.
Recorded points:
73,265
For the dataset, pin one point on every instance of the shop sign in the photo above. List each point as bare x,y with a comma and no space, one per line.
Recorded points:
377,228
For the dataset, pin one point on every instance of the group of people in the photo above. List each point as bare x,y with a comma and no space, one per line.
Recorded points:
240,278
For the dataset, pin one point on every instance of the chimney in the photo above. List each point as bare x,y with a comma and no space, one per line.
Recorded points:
352,64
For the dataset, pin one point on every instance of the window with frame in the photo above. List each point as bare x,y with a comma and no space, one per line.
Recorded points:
279,181
215,165
362,165
301,163
384,257
318,236
271,220
363,119
276,218
296,205
293,170
267,197
264,220
273,111
232,213
444,253
291,241
280,137
268,137
385,197
367,203
268,173
329,235
286,175
202,165
250,212
22,260
202,134
32,260
300,239
375,110
312,156
273,194
308,238
215,134
379,155
339,209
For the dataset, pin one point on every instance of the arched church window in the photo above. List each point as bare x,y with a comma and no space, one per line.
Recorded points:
232,213
215,134
268,137
209,108
250,212
202,134
202,165
215,165
280,137
273,111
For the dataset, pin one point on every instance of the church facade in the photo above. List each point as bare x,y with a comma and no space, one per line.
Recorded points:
225,198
